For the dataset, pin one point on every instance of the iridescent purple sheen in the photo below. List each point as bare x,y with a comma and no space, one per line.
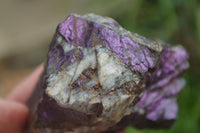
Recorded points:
167,108
157,74
74,30
85,33
159,99
172,63
158,106
58,57
161,104
131,53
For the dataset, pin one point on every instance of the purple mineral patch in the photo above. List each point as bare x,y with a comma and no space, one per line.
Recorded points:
79,32
99,77
158,106
159,100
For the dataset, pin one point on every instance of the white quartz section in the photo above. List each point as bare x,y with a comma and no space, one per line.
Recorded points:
59,84
112,73
67,47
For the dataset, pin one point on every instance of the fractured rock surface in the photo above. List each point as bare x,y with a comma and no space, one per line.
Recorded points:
95,74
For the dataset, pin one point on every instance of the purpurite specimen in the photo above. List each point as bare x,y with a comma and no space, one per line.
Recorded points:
99,77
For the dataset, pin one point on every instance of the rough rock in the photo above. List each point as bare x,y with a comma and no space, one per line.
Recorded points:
99,77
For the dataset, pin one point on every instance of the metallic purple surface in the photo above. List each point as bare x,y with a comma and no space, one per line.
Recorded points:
159,99
80,44
80,32
58,56
158,106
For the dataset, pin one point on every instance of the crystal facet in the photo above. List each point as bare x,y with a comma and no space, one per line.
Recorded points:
99,77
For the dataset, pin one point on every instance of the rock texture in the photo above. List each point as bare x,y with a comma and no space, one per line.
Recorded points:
95,74
158,106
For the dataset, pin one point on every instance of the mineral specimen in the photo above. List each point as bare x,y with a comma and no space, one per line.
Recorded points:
95,74
158,107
